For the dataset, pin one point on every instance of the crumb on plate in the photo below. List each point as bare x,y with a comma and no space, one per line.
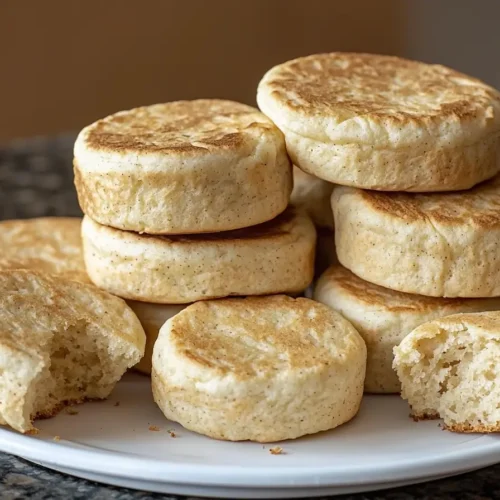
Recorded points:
277,450
154,428
57,438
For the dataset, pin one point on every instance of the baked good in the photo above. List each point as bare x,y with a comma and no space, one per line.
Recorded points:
47,244
449,369
261,368
54,245
61,342
384,317
443,245
183,167
313,195
384,123
274,257
152,318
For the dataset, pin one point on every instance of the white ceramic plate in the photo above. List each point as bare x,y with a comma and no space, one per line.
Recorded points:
114,444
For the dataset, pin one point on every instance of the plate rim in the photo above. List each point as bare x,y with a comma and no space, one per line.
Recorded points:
137,467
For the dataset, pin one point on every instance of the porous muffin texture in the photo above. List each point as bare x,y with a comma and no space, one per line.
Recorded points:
261,368
384,317
441,245
61,342
384,123
274,257
183,167
449,369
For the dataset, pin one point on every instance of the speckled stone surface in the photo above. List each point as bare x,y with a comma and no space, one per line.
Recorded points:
36,179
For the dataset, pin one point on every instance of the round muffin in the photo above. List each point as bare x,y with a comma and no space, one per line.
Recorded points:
384,123
183,167
384,317
61,342
274,257
449,369
47,244
313,195
442,245
54,245
260,369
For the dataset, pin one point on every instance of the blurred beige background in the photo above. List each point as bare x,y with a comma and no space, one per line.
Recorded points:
67,63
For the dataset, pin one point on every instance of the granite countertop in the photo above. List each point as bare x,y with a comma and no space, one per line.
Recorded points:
36,180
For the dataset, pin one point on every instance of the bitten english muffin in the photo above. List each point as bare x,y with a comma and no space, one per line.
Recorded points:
261,368
384,317
274,257
183,167
54,245
442,245
61,342
313,195
384,123
449,369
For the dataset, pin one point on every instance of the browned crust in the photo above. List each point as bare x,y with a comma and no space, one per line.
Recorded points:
276,228
321,83
476,428
424,416
165,128
385,298
479,206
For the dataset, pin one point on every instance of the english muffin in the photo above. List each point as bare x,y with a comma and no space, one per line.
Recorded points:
261,368
183,167
54,245
61,342
47,244
313,195
384,317
384,123
442,245
274,257
449,369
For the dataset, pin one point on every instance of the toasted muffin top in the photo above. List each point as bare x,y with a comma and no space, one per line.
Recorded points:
260,336
378,100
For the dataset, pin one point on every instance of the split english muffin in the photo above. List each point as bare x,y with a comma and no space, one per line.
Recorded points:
261,368
61,342
274,257
442,245
183,167
384,123
384,317
449,369
54,245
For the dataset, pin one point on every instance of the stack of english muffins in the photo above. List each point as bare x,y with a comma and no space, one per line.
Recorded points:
413,150
188,201
195,216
